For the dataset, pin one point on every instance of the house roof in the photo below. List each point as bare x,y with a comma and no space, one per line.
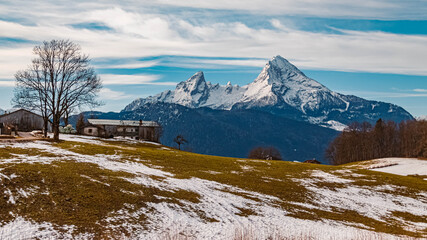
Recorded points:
130,123
19,110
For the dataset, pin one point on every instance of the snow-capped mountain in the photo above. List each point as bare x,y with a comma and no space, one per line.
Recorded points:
195,93
1,111
282,89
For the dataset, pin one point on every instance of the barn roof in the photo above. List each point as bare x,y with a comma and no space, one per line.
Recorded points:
131,123
19,110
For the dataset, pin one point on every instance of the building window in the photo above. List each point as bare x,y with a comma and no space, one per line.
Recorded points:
89,130
130,130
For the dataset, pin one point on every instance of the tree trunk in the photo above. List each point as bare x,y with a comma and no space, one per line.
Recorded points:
55,126
66,118
45,127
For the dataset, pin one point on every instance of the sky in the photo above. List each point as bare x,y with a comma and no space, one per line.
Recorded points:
375,49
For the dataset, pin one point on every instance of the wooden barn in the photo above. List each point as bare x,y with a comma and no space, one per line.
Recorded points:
141,130
20,120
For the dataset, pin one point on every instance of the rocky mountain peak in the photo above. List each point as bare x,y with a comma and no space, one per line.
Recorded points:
278,71
280,63
194,84
280,88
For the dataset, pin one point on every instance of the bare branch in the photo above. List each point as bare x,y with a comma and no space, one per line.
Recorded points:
59,80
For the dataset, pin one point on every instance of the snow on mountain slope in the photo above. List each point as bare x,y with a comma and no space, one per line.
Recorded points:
280,82
194,93
281,88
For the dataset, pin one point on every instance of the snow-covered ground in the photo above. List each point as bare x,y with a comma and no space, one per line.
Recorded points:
400,166
224,206
97,140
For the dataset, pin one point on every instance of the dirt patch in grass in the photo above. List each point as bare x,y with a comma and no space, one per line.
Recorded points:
245,212
410,217
418,176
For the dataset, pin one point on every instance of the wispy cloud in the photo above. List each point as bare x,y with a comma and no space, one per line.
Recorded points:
378,94
117,35
7,83
420,90
116,79
383,9
129,65
109,94
140,34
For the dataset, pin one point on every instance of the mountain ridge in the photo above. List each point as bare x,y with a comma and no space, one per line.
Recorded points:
282,89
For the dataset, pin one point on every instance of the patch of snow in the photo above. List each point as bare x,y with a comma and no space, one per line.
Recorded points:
327,177
79,138
213,172
94,180
334,125
222,203
367,202
246,168
11,198
400,166
21,228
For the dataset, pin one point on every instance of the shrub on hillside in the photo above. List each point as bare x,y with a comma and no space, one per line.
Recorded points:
267,153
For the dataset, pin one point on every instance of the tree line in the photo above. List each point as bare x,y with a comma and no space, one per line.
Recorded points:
362,141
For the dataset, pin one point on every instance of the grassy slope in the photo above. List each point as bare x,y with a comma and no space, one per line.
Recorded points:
85,195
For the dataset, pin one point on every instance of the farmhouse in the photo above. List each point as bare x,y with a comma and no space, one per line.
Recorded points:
142,130
20,120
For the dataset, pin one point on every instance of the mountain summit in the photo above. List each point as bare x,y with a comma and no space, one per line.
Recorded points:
282,89
282,84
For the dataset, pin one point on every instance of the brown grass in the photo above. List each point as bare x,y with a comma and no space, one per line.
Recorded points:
76,200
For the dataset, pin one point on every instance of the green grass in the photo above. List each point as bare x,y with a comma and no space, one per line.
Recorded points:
75,199
9,152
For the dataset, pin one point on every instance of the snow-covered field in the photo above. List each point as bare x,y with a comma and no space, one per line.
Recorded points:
400,166
224,203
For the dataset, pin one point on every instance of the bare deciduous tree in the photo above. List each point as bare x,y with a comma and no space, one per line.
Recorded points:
361,141
58,80
267,153
80,123
180,140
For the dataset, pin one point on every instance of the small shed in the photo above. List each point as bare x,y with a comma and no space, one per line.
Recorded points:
21,120
142,130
